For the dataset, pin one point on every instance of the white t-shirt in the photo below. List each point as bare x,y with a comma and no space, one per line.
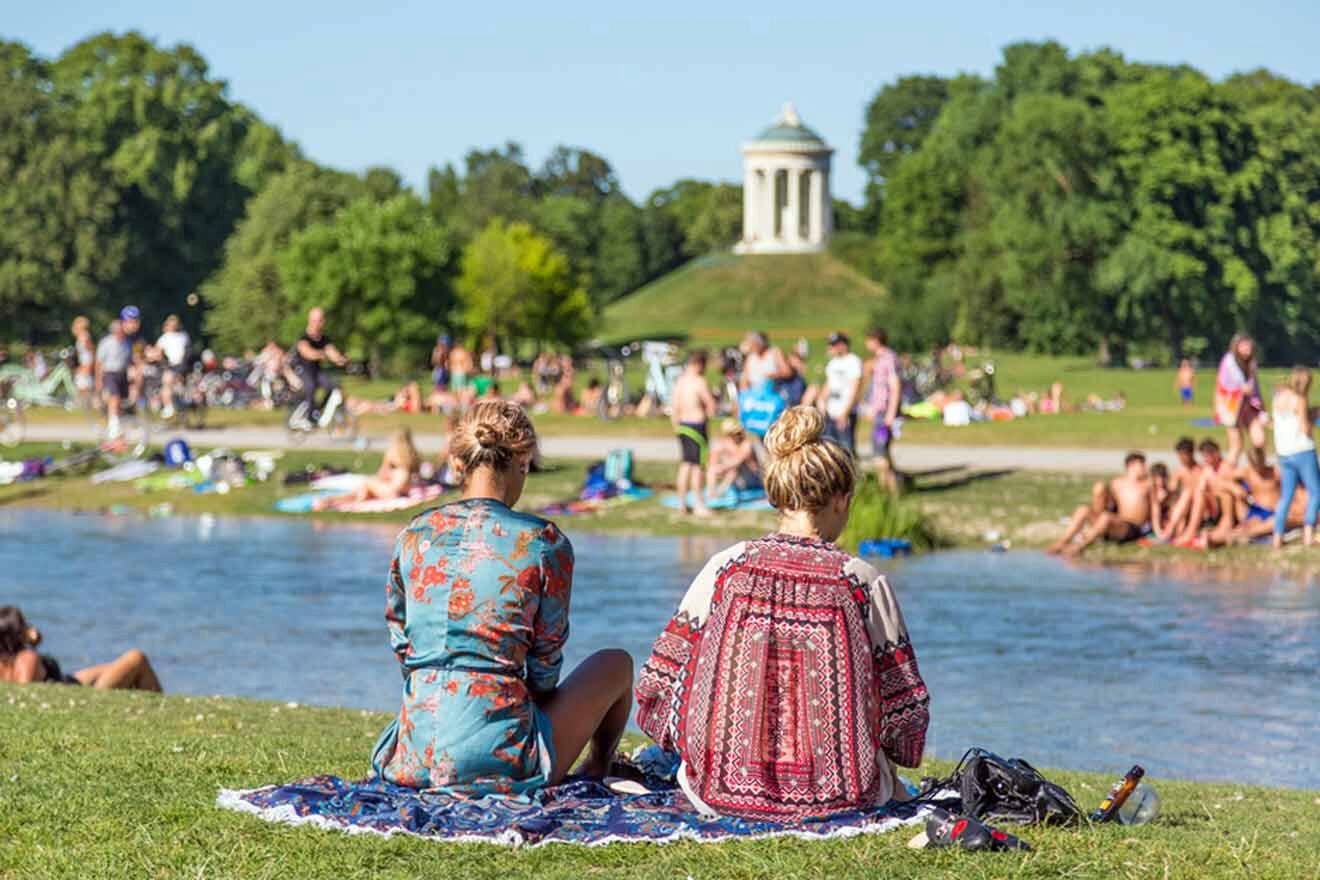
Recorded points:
175,346
841,374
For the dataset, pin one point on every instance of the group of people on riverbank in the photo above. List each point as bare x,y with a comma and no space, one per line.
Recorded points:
769,384
1213,498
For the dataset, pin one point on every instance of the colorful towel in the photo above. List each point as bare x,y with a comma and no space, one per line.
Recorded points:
734,499
592,505
576,812
305,502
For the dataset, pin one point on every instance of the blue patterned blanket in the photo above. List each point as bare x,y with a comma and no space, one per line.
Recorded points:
576,812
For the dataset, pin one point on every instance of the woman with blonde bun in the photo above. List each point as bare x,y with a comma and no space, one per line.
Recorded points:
477,611
786,682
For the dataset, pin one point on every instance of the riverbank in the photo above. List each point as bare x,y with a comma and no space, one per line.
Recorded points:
124,784
966,507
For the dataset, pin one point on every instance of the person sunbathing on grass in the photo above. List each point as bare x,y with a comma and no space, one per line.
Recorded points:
21,664
1119,512
394,478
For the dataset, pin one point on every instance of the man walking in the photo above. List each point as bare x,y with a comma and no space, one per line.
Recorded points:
886,394
693,408
114,354
843,386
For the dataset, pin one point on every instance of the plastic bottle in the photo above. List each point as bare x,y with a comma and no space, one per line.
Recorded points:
1142,806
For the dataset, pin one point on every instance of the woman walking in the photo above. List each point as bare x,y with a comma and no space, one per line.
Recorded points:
1238,403
1295,447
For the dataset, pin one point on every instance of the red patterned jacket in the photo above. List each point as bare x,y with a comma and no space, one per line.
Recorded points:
786,682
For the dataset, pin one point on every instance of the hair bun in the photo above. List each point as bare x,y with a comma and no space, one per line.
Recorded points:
486,435
798,427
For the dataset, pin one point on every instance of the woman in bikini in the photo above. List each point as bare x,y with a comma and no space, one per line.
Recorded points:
20,663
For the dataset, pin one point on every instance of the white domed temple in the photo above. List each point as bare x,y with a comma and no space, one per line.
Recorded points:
786,190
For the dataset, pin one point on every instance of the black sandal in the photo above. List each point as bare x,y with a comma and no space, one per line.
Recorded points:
943,829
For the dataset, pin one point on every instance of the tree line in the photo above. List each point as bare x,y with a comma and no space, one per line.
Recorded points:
1076,203
128,174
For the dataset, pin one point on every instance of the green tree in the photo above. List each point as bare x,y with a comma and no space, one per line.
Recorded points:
497,184
578,173
248,305
381,270
898,119
708,215
516,286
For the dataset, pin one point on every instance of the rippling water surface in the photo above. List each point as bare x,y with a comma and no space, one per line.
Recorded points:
1194,675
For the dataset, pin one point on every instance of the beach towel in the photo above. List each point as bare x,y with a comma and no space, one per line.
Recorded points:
733,499
129,470
580,812
305,502
594,504
1237,395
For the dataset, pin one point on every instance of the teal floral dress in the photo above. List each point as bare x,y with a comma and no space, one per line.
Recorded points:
477,611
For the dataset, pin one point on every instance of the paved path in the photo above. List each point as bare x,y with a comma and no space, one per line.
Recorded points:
908,456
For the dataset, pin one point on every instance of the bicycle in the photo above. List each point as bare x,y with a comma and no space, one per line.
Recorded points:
13,422
334,420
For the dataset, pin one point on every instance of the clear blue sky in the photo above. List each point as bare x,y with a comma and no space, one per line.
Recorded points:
662,90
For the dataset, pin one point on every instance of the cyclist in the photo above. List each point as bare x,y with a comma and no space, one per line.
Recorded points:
314,347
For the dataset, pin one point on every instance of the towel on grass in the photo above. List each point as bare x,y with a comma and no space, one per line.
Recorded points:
733,499
592,505
305,502
578,812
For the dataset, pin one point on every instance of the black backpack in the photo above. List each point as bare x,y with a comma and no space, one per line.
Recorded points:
988,787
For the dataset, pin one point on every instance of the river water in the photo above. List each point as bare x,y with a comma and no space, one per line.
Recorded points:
1193,674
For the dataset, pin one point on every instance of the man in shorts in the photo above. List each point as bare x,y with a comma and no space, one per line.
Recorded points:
693,408
885,396
1119,512
114,355
843,387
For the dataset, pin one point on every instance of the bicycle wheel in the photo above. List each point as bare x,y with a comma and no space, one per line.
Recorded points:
13,425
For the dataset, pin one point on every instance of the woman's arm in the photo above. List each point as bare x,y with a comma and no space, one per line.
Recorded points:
904,701
396,607
545,659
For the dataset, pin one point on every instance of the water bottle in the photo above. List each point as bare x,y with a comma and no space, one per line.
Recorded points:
1142,806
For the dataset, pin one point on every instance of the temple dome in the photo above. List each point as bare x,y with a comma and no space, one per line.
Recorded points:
788,129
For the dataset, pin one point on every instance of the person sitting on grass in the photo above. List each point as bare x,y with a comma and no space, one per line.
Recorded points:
1119,512
1205,509
786,682
1182,487
733,462
21,664
1162,498
477,603
393,479
1248,499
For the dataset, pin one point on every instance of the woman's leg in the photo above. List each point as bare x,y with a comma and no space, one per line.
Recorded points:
1256,432
590,706
1234,451
1309,472
130,671
1288,475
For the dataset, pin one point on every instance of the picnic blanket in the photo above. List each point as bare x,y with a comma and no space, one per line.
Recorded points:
581,812
733,499
304,503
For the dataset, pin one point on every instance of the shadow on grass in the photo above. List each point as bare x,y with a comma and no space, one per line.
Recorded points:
967,478
24,495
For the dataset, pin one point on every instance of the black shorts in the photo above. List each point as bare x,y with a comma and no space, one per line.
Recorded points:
115,384
690,450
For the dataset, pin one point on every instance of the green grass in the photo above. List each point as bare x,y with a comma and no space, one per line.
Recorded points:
123,785
876,513
719,297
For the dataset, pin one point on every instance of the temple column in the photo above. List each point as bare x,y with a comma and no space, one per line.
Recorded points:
816,210
793,210
749,204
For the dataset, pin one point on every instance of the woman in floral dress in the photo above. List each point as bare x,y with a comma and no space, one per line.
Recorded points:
477,610
786,682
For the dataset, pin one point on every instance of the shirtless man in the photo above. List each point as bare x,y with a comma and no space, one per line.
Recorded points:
1205,505
1119,510
1248,502
693,407
1182,489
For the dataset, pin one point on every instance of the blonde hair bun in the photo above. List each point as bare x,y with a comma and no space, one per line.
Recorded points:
805,470
492,433
796,429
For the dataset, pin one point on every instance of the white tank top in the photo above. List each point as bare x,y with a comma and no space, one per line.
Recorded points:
1290,435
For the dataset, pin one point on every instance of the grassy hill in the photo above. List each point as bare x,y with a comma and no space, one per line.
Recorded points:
718,297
